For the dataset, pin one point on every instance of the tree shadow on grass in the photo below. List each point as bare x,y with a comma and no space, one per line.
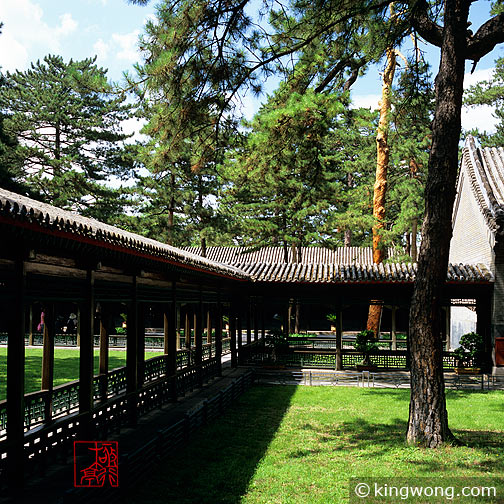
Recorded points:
220,461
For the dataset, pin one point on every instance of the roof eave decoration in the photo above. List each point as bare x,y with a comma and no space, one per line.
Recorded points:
41,217
485,182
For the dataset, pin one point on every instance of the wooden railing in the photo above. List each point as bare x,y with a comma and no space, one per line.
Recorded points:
64,400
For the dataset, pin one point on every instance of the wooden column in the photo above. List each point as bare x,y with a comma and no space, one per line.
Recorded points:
256,323
15,314
87,314
218,335
132,354
141,344
339,335
187,328
171,337
48,357
30,325
198,338
232,331
484,325
104,352
209,328
78,329
248,322
178,315
239,333
393,329
263,321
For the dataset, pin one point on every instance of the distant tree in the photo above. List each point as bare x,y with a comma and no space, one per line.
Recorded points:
289,179
65,118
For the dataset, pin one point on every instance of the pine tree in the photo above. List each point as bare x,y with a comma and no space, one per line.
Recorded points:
213,50
66,119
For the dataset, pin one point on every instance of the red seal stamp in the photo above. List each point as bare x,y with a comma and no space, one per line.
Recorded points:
96,464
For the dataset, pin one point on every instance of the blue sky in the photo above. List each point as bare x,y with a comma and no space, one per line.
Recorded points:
110,29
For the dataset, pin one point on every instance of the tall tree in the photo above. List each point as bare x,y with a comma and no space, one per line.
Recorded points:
288,177
66,119
218,50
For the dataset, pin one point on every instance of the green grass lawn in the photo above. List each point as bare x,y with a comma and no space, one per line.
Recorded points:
66,366
302,445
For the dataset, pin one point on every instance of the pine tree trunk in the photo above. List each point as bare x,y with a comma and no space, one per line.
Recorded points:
414,232
348,238
171,210
380,186
428,419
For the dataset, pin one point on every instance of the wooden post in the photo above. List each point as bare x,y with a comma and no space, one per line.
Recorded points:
30,328
87,313
15,314
187,328
484,324
48,350
256,323
448,325
248,322
172,337
393,328
198,338
232,331
141,344
178,315
209,326
239,333
78,329
132,354
339,335
263,321
218,335
104,353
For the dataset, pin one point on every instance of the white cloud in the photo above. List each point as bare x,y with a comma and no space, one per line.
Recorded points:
68,25
366,101
26,33
477,76
128,45
101,49
480,116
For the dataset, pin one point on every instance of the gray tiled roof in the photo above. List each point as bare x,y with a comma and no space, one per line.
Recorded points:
309,255
47,217
323,268
484,168
357,273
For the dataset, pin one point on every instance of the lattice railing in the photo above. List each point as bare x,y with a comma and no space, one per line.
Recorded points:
155,368
65,399
226,345
207,351
183,358
116,382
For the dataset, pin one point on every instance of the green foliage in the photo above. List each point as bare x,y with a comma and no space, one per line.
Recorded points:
63,120
287,182
471,349
276,339
332,317
365,342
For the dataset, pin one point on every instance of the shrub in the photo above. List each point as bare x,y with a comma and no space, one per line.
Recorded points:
471,349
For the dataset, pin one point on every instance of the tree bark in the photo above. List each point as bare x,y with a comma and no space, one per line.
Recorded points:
428,418
380,186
